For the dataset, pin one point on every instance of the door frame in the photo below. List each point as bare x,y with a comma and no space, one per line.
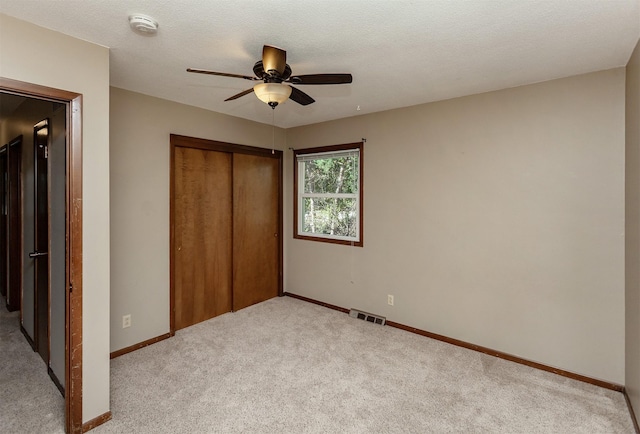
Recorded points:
177,141
73,299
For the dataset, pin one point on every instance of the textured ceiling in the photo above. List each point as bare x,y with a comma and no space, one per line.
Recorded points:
400,52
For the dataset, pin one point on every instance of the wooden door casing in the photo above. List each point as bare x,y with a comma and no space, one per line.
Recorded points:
73,256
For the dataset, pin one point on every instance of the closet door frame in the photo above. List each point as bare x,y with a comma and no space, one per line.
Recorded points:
177,141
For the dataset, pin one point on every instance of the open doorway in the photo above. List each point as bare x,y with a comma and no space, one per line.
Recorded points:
61,252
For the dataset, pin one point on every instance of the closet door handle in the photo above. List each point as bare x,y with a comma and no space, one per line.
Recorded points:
37,254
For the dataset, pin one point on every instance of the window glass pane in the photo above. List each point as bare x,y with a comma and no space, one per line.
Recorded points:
330,216
331,175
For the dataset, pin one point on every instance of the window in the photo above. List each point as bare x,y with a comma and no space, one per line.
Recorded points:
328,194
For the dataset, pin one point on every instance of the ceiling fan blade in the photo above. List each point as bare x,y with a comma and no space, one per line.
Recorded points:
321,79
243,93
274,58
223,74
300,97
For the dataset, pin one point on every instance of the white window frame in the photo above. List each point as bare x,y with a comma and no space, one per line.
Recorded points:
300,158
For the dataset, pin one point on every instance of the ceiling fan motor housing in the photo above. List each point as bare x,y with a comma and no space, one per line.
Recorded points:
272,76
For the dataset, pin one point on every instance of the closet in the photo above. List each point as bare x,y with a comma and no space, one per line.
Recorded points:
226,225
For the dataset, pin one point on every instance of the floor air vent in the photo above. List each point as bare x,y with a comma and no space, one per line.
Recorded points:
369,317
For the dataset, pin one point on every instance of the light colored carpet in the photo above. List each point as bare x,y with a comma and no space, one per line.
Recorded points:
287,366
29,401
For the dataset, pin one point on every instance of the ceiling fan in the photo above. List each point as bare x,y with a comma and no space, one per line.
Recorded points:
275,75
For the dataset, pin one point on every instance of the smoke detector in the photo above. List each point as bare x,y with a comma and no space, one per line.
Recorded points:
143,24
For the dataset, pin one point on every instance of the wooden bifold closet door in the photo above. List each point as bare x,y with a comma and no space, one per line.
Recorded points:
225,228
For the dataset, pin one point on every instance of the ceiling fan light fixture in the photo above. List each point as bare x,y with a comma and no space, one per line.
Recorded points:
272,93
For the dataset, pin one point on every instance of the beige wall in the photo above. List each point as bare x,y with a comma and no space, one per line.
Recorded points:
36,55
497,219
140,129
632,382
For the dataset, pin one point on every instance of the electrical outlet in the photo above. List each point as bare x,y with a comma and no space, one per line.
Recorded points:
126,321
390,300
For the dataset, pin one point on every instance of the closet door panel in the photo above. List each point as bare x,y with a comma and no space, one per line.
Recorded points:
256,181
203,228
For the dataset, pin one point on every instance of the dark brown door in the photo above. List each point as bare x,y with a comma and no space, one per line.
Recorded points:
256,181
202,245
3,222
14,224
41,240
